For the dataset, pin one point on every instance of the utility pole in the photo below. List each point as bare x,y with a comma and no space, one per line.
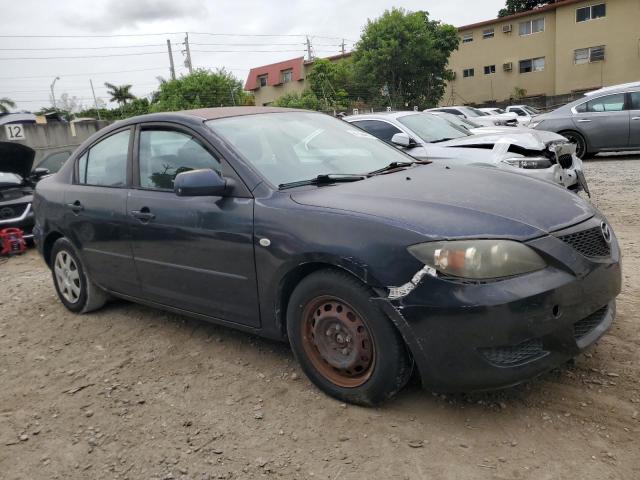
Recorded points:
342,47
172,70
94,99
233,97
53,95
187,62
308,49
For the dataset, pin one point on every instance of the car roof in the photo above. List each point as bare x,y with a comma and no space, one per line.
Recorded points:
623,87
381,115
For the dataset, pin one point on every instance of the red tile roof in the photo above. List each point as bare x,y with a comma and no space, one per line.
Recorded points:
545,8
273,72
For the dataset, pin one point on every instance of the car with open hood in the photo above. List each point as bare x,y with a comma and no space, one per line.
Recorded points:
17,182
542,155
300,227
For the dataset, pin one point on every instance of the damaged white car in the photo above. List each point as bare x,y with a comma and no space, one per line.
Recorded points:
543,155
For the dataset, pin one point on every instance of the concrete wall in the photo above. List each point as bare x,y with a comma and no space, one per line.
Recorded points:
55,136
619,31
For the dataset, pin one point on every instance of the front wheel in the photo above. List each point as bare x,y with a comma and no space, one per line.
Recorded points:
344,343
579,141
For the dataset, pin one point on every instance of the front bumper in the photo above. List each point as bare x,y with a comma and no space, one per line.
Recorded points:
469,337
25,222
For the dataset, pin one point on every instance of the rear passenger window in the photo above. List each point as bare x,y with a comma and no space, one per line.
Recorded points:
382,130
635,100
610,103
105,164
165,153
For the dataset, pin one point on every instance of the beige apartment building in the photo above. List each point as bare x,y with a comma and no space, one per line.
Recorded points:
570,46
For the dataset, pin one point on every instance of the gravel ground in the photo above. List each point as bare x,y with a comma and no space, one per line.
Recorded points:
132,392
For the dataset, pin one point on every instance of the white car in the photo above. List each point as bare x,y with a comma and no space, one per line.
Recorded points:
545,156
525,113
483,118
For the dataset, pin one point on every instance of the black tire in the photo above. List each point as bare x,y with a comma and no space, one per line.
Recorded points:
579,140
386,372
79,294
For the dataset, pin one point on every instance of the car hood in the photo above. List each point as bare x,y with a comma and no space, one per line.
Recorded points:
442,202
522,137
16,158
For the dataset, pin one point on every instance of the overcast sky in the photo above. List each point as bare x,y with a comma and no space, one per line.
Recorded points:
326,22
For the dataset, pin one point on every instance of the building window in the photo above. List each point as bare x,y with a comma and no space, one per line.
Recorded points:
591,12
532,65
532,26
467,38
262,80
588,55
488,33
468,72
286,76
489,69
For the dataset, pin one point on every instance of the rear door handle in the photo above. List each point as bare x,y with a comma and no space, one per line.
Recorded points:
76,206
583,120
635,118
144,214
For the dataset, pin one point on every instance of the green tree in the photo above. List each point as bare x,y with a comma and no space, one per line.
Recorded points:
119,93
202,88
6,104
306,100
402,57
331,82
515,6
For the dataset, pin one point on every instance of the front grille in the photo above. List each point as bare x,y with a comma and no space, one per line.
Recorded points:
590,243
585,326
7,212
512,355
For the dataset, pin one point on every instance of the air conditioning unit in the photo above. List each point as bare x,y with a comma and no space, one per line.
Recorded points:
507,67
507,28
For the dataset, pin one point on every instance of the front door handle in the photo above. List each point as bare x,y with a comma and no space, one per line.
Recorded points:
144,214
584,120
635,118
76,206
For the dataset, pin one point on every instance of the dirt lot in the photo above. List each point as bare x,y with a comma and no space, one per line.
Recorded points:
131,392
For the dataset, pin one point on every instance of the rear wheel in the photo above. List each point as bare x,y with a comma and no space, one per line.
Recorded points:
345,344
74,288
578,140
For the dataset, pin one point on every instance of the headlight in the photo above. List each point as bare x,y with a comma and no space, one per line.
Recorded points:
528,162
478,259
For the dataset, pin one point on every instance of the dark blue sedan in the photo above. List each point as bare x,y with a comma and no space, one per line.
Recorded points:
300,227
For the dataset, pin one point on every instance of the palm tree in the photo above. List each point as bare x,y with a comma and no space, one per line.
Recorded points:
6,104
120,93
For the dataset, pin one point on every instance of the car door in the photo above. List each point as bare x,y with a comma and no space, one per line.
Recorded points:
96,218
604,122
634,124
193,253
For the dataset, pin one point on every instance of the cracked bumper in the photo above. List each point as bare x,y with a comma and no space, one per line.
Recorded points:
468,337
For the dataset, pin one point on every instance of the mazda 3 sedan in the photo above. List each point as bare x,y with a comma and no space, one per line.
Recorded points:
300,227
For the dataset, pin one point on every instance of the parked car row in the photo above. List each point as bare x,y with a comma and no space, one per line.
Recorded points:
373,264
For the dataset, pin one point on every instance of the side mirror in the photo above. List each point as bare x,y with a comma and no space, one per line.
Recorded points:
403,140
39,172
200,183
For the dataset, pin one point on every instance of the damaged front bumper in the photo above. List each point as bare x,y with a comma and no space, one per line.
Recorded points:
469,336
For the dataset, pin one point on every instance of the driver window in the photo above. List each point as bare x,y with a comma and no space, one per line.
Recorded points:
610,103
382,130
166,153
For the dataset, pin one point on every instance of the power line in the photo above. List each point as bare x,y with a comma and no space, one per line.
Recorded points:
84,56
84,74
93,35
81,48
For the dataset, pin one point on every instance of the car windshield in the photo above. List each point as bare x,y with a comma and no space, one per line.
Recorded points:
296,146
10,179
530,110
474,112
459,121
432,128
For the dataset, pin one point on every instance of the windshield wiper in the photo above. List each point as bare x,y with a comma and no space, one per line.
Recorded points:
324,179
391,166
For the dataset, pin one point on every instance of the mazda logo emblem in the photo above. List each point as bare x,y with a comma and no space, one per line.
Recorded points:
6,212
606,232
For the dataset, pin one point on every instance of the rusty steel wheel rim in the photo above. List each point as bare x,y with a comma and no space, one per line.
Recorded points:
337,341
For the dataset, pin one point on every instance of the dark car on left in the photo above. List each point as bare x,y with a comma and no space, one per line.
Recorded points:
17,182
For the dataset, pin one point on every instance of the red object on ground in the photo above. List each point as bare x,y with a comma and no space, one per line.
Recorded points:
12,242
